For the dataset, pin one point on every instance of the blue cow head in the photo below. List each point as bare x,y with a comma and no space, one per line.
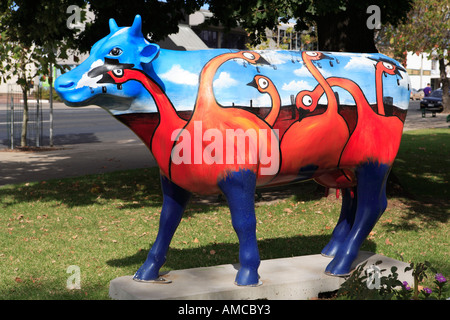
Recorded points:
124,47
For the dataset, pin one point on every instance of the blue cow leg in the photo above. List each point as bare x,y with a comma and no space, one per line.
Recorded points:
344,223
174,202
371,203
239,189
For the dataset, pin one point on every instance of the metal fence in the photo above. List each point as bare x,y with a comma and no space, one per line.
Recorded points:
14,117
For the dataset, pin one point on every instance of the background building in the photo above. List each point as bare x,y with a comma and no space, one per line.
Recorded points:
422,70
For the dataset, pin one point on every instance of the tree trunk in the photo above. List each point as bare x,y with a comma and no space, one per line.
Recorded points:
445,86
23,136
345,31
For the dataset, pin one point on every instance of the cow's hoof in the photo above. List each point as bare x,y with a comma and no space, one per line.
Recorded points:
326,255
248,277
328,273
147,272
159,280
339,267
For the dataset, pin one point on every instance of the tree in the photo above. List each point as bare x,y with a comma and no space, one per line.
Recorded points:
427,29
341,24
34,34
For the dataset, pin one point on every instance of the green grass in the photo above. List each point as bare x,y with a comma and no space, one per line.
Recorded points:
105,224
423,163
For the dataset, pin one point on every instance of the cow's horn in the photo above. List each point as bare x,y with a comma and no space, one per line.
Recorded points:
113,27
136,28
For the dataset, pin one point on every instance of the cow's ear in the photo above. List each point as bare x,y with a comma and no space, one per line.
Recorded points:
149,53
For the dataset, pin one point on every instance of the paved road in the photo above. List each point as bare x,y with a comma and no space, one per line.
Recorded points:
415,121
74,126
100,150
87,141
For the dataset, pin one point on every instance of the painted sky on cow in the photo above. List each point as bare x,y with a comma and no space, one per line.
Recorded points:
178,73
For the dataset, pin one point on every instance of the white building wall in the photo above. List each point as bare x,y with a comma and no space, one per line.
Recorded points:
422,70
419,69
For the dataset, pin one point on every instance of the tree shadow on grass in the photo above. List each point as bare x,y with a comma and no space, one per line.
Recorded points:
226,253
302,191
420,175
430,209
134,187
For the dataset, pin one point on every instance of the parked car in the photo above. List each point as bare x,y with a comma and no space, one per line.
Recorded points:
417,94
432,103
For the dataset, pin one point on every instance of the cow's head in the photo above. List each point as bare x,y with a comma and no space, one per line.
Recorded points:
127,46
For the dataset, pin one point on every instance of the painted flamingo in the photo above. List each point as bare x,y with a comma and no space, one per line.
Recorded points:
382,67
308,100
315,142
208,140
265,85
169,121
384,148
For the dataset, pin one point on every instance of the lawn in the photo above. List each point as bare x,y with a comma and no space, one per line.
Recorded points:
105,224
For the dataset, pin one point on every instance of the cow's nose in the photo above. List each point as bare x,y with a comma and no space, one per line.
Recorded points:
63,83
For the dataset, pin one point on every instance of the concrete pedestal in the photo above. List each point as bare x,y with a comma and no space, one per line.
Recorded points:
297,278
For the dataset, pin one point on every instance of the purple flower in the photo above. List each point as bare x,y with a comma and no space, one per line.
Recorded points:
427,290
406,286
440,278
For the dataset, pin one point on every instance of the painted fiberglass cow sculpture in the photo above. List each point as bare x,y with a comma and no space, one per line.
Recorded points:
336,118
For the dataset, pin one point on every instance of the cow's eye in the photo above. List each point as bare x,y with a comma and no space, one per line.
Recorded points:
118,72
115,52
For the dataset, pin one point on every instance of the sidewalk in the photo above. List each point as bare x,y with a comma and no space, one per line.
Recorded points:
73,161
